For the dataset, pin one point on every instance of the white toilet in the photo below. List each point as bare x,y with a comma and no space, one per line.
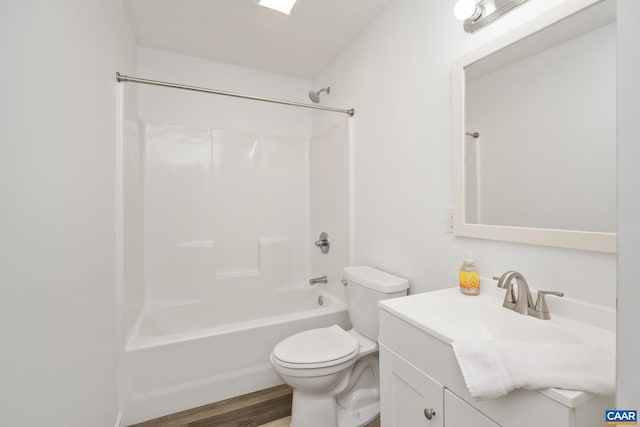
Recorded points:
333,372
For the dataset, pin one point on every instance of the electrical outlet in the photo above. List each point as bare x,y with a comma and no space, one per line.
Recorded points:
448,219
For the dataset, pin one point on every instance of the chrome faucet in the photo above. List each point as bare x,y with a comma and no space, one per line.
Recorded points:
509,297
523,302
317,280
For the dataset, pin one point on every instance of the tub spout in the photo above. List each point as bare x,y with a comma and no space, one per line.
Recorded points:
316,280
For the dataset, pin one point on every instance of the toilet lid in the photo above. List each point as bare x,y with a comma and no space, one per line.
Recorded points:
316,346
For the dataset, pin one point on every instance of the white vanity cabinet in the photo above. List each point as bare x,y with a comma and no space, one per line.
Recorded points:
461,414
409,398
419,372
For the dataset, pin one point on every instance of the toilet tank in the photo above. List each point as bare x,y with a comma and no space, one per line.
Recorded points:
365,287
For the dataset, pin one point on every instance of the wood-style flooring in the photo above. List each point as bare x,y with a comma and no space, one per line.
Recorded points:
265,408
284,422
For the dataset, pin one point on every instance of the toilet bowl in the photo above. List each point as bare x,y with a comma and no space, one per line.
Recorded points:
333,372
320,364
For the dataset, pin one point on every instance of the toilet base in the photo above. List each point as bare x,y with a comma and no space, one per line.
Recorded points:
360,418
356,404
313,410
310,410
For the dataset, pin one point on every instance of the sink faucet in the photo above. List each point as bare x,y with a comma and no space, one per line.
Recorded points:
316,280
523,302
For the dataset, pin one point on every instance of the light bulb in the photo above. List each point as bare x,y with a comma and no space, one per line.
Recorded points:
283,6
465,9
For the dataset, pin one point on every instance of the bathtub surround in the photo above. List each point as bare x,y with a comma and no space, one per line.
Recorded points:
132,210
329,155
156,106
215,283
330,133
218,205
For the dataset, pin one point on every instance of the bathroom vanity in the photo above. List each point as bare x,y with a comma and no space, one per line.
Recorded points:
421,383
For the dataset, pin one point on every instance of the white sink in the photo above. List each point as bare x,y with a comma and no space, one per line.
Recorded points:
475,319
451,316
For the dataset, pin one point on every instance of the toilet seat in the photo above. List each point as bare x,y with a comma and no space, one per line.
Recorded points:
316,348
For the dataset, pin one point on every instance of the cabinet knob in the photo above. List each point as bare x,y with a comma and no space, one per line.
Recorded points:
429,413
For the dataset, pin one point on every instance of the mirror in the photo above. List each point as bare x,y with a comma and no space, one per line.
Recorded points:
534,132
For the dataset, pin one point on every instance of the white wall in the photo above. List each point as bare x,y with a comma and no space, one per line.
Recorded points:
57,220
628,392
165,105
396,75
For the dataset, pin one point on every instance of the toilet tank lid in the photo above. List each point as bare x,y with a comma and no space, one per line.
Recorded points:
375,279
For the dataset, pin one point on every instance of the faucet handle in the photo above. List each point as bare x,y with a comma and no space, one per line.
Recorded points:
323,243
541,309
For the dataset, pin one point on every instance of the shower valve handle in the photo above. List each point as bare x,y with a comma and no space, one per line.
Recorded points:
323,243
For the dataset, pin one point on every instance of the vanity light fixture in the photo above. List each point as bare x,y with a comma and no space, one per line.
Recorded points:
467,9
282,6
477,14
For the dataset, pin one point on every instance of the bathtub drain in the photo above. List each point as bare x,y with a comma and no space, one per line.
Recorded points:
320,300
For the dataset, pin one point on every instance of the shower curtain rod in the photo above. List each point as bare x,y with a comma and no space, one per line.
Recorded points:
122,78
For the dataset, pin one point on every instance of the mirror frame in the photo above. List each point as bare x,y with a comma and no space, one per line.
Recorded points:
585,240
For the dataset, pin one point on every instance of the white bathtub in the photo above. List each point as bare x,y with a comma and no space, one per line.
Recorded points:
185,355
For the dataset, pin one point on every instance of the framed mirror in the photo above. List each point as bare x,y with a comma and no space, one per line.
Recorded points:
534,132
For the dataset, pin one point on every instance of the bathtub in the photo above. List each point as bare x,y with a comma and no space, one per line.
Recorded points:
183,355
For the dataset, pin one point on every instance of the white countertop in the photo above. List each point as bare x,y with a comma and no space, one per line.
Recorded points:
449,315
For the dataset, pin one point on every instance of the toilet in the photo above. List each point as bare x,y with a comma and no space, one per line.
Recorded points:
333,372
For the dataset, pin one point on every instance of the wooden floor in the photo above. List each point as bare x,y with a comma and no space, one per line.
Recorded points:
265,408
284,422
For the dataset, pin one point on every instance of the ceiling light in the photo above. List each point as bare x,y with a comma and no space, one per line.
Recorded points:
283,6
466,9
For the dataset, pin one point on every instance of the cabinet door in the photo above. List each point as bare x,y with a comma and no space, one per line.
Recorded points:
408,397
460,414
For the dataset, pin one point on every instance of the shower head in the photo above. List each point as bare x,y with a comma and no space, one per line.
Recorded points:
315,96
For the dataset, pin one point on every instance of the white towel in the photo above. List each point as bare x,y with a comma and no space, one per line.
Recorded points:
494,368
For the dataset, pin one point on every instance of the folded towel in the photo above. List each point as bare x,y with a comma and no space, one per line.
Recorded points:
494,368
